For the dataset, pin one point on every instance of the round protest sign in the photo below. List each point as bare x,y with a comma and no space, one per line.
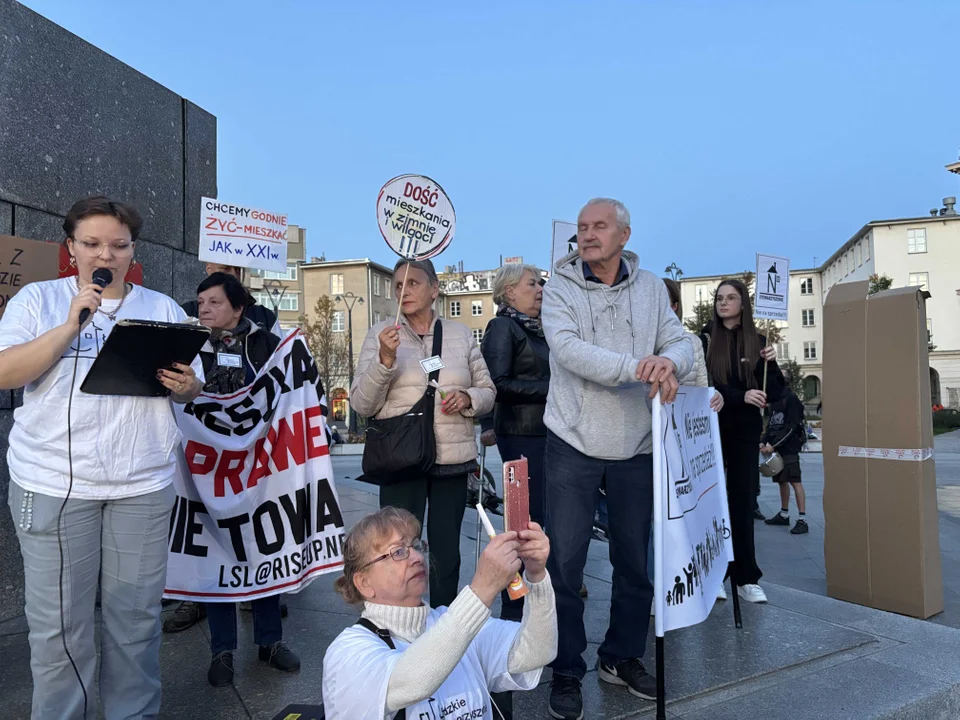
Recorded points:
415,216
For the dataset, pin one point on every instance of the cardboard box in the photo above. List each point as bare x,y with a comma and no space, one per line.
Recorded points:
882,544
25,261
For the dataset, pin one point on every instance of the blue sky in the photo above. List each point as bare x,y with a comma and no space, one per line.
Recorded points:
726,127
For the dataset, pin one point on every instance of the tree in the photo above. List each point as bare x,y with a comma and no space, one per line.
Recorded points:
702,313
792,367
879,283
331,350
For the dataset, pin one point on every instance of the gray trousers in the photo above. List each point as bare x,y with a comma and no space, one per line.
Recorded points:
122,546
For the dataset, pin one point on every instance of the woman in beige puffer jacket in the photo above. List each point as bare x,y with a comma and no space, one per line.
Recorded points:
390,380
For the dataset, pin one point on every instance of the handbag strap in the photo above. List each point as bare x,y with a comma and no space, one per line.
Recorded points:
437,350
384,635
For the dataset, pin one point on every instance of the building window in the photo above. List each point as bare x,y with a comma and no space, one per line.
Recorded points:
929,331
783,350
477,308
336,284
856,254
806,286
454,308
376,285
289,274
866,248
290,302
477,335
338,321
921,280
703,293
917,240
376,317
807,316
386,289
810,350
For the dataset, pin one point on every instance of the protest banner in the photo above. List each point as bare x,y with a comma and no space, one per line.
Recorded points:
24,261
257,511
772,288
691,520
564,241
415,216
242,236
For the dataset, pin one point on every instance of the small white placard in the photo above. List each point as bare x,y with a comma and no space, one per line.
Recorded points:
431,364
229,360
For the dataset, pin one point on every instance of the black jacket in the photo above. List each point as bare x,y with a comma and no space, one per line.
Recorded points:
259,315
786,431
738,420
258,346
519,364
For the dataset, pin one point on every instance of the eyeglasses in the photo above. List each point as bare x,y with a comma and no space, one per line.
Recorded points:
399,554
95,249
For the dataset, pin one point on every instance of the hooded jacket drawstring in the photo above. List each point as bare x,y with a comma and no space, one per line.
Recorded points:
611,305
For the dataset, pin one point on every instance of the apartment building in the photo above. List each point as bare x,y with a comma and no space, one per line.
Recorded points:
363,296
920,251
282,292
467,297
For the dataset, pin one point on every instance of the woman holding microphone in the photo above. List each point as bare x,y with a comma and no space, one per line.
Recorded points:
91,476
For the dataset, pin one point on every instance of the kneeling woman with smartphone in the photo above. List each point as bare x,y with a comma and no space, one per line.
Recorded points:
404,657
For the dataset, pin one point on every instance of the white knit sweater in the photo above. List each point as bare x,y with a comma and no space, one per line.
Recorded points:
433,654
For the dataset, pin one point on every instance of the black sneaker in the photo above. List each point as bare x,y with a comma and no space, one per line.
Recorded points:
583,590
220,673
757,515
778,519
800,528
185,617
632,674
279,656
566,700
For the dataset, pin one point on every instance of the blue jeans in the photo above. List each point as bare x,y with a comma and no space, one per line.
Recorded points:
120,545
222,618
572,480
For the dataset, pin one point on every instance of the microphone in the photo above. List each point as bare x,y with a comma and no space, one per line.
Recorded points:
101,277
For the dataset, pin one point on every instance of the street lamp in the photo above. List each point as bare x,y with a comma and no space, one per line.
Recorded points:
349,299
675,272
275,291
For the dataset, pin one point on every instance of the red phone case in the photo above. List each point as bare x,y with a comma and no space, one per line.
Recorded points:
516,494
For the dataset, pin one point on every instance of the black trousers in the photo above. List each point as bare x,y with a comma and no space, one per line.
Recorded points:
447,497
743,478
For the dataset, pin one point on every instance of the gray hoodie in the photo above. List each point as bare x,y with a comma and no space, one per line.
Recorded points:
597,336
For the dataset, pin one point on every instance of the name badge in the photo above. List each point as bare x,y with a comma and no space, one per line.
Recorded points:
432,364
229,360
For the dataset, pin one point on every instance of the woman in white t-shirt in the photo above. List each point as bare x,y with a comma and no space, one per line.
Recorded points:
91,476
404,657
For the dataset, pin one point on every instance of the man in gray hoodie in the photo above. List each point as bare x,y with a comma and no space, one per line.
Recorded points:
614,343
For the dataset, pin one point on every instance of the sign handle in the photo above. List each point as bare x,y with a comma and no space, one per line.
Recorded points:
661,683
737,617
406,271
766,363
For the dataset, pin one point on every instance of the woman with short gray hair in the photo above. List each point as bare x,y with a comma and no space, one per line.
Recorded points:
519,362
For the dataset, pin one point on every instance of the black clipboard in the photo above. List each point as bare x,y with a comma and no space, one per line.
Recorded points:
135,350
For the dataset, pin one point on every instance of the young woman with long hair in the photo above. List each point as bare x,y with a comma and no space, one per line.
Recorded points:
736,354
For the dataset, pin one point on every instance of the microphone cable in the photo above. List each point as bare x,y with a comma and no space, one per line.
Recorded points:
63,505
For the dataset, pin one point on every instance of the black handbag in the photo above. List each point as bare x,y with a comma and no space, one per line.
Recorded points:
404,447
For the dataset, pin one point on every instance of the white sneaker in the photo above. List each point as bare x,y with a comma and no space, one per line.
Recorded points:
722,593
752,593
